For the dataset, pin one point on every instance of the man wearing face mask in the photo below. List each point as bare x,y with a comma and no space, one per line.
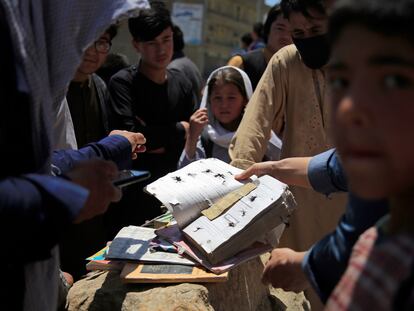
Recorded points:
291,100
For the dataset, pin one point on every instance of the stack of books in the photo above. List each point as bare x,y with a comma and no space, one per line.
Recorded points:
216,223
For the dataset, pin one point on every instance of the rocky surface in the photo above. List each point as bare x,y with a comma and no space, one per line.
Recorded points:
243,291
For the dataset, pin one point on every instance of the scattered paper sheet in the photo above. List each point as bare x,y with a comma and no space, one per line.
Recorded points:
133,243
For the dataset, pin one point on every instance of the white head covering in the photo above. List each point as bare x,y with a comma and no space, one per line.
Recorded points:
48,39
222,137
214,130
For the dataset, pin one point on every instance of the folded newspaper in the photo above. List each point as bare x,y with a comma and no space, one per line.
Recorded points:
219,215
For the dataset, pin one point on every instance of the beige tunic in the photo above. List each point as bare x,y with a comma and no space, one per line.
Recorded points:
292,100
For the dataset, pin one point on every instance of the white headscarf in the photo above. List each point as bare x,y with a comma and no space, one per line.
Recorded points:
217,134
222,137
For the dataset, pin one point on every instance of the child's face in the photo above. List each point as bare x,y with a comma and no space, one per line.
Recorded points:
92,60
227,104
372,84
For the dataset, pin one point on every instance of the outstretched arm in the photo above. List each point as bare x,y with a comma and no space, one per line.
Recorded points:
291,171
119,147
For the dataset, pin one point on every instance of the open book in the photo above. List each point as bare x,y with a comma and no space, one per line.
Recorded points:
219,215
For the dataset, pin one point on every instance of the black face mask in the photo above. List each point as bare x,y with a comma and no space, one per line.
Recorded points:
314,51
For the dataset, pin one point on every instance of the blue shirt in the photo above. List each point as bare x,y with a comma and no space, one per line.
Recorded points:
327,260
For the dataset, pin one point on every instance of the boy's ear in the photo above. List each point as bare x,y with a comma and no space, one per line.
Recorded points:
135,44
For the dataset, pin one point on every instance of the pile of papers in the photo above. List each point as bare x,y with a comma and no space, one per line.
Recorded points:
143,257
214,223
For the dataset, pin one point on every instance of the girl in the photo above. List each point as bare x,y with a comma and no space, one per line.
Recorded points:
212,126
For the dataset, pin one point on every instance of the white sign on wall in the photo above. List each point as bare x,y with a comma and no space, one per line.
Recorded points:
189,17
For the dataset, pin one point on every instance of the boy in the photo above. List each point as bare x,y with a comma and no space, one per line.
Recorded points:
87,95
276,33
152,100
372,100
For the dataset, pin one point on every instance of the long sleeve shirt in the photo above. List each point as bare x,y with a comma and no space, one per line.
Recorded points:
327,260
37,64
291,100
156,110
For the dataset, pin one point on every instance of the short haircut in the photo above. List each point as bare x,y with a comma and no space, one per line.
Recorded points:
113,63
274,12
225,76
150,22
258,29
112,31
178,38
247,39
386,17
302,6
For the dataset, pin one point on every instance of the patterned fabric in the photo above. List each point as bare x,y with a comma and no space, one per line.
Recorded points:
376,270
48,38
48,41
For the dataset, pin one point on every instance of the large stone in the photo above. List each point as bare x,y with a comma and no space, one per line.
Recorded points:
243,291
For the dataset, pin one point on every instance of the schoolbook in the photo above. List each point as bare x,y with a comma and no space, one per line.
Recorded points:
98,262
168,273
219,215
176,237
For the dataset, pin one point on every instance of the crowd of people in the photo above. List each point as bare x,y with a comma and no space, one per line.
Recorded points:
323,102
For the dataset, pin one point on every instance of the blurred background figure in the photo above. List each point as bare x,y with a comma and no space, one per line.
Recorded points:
114,63
257,36
182,63
245,42
276,33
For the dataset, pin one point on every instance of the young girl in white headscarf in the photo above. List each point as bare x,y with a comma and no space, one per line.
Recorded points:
212,127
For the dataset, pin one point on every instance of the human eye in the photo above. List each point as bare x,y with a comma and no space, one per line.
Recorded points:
216,98
338,83
397,81
298,34
316,30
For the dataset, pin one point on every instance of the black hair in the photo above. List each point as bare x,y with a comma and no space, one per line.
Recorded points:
178,38
274,12
258,29
386,17
247,39
113,63
150,22
303,6
112,31
224,76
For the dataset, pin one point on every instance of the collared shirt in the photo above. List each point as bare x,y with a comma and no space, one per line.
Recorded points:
325,173
326,261
380,264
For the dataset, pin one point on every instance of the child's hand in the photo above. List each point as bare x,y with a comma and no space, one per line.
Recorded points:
198,120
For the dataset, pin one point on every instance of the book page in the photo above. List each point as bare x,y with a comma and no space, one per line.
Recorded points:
211,234
175,236
132,243
188,191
